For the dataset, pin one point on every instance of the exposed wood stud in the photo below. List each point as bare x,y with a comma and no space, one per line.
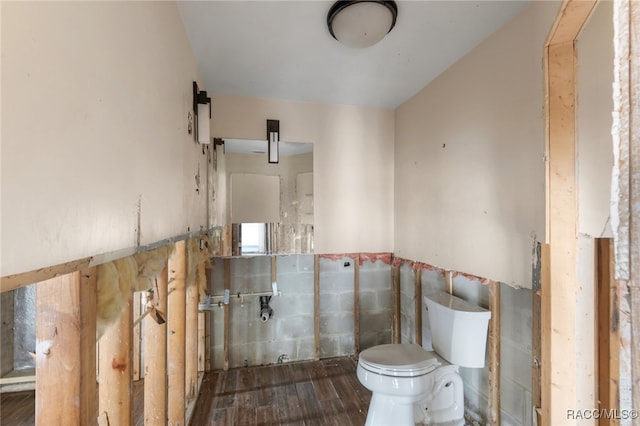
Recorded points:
448,278
155,358
176,329
115,361
191,337
356,305
608,335
11,282
202,339
137,335
563,228
494,353
66,349
227,316
559,291
316,306
418,306
545,332
274,268
395,305
536,396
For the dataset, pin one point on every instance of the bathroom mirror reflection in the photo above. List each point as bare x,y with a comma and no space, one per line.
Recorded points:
270,205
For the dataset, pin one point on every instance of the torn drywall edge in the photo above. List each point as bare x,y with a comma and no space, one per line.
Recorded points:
421,266
620,208
385,257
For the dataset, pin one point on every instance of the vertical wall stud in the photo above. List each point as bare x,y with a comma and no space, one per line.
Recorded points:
316,306
395,305
155,357
66,349
115,361
419,306
191,338
227,316
494,353
137,336
356,305
608,332
558,297
176,334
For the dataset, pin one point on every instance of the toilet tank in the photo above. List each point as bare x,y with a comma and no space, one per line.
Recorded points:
458,329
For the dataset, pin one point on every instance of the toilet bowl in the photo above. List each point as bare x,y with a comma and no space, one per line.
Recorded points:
411,385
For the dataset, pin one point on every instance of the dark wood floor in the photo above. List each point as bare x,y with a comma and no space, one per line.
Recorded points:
325,392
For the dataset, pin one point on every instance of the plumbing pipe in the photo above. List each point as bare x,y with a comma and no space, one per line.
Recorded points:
243,295
266,312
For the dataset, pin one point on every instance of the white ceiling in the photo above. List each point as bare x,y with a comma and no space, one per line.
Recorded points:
283,50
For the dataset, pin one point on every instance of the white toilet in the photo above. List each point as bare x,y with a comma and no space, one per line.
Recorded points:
410,385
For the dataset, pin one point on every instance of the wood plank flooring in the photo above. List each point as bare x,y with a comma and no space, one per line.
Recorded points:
325,392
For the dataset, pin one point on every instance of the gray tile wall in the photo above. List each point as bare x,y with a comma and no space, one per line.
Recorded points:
290,332
6,332
375,304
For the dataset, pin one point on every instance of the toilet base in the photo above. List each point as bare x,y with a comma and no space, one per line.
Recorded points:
387,411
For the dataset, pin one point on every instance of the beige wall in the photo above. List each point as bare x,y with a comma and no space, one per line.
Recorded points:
95,100
469,159
352,164
595,105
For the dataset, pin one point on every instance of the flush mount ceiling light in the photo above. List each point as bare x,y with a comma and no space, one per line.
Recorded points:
361,23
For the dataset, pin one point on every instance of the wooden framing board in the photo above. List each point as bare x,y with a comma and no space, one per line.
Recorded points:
356,305
11,282
137,336
155,358
227,314
202,339
66,349
316,306
418,306
176,316
274,268
608,332
494,353
396,336
191,338
448,281
536,335
115,352
560,326
559,295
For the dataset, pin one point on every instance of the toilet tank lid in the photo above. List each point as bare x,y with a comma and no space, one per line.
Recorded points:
455,303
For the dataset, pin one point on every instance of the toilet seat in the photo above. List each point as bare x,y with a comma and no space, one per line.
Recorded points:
398,360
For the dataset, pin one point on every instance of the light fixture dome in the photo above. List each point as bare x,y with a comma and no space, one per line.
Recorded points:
361,23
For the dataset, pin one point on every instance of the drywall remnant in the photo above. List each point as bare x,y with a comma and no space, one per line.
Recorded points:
420,266
374,257
385,257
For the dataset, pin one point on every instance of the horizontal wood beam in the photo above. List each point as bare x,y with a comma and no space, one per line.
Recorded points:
12,282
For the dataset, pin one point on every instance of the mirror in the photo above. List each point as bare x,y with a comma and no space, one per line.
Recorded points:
270,205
